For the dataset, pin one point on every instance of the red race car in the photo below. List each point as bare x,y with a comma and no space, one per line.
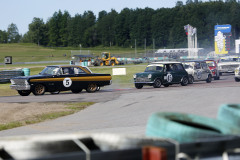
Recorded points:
212,64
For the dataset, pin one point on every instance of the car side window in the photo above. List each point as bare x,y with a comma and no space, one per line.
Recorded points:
78,70
197,65
204,66
179,67
67,70
175,68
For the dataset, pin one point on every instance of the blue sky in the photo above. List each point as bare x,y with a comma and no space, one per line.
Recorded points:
22,12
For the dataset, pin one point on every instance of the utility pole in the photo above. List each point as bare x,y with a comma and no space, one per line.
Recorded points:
135,48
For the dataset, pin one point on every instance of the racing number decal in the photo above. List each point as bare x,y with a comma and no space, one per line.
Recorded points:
199,74
67,82
169,77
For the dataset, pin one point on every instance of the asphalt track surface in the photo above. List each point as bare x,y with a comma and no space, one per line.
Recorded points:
126,110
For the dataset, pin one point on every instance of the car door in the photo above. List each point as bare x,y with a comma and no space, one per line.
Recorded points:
180,72
170,74
66,78
205,70
197,71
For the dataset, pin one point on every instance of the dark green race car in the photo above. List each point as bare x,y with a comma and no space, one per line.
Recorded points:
161,73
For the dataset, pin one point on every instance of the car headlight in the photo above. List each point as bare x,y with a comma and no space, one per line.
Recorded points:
26,82
134,76
12,81
150,76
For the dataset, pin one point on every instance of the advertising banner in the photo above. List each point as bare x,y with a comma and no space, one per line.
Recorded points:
222,35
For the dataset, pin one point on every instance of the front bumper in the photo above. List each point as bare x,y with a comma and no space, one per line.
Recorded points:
20,87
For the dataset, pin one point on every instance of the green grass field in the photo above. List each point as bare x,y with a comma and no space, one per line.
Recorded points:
25,52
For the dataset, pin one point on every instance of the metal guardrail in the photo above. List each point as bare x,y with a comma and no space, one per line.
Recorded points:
6,75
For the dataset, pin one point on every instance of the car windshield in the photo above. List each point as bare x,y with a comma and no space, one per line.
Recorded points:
210,63
230,60
187,66
154,68
50,70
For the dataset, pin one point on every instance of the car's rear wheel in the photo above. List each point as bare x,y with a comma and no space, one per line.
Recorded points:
184,81
92,87
39,89
190,79
24,93
138,86
236,79
209,79
76,90
157,83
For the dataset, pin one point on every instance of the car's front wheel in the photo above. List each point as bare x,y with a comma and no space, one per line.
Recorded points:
184,81
24,93
138,86
236,79
157,83
209,79
92,87
39,89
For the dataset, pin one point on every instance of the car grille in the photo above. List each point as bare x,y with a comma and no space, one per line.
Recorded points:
232,67
142,79
19,81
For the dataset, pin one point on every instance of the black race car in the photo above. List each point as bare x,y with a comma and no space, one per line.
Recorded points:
54,79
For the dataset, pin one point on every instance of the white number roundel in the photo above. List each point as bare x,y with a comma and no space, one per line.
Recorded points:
67,82
169,77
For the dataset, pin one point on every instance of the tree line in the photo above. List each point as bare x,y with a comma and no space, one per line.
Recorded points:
146,27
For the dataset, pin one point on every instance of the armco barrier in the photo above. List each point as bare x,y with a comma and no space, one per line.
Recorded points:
104,146
6,75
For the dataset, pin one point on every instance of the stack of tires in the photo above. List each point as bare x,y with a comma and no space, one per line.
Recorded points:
186,128
229,113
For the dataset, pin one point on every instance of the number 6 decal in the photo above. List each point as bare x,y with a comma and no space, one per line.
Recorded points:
67,82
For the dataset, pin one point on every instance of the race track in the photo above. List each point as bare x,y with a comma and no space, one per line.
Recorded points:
127,110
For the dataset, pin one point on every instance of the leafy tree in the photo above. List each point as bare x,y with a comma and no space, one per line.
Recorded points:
13,35
179,3
3,37
106,27
36,31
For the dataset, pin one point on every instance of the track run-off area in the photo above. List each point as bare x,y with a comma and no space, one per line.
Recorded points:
126,110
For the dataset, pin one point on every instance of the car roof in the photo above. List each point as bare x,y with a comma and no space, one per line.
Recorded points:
193,61
63,66
166,62
83,56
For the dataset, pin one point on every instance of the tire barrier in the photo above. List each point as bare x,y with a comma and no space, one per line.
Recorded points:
26,71
186,128
230,113
6,75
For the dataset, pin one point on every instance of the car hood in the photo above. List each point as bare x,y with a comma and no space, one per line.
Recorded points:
144,73
32,77
228,63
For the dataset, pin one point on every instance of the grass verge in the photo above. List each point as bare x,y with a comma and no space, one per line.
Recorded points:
69,109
